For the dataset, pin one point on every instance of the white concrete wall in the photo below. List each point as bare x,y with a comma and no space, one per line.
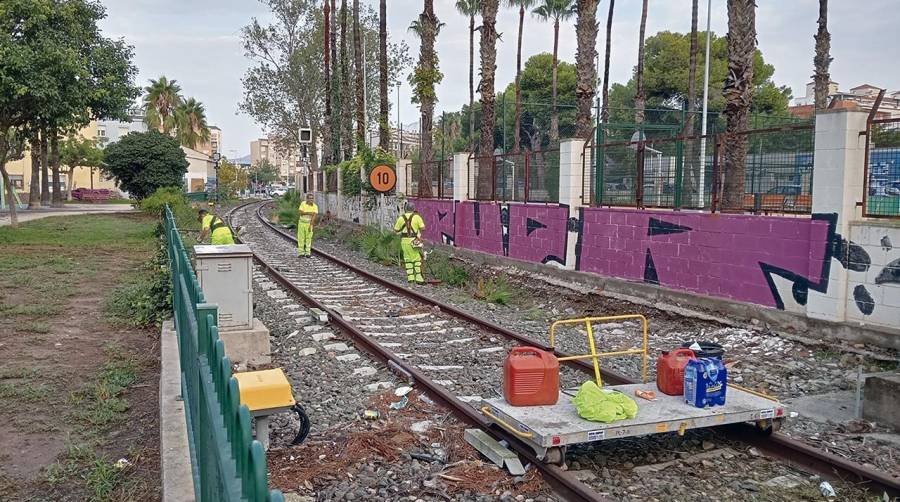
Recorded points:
873,296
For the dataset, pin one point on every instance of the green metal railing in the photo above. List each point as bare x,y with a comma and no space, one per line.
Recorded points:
228,464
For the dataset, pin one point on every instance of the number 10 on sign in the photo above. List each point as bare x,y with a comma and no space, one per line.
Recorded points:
383,178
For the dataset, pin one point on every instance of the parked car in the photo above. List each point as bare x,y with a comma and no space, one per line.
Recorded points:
277,191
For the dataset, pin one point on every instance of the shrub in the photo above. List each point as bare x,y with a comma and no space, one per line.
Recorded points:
142,162
145,299
380,247
494,290
286,212
440,266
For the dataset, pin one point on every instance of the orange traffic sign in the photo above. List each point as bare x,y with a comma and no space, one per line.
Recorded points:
383,178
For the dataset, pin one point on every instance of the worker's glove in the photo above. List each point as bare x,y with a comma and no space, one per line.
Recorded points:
417,243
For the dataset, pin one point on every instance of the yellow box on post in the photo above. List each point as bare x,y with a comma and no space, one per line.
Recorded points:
265,391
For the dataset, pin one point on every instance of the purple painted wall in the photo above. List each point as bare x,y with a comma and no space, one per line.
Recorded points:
717,255
439,219
537,233
729,256
478,227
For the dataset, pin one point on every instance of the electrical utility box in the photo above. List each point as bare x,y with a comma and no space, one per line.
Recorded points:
225,273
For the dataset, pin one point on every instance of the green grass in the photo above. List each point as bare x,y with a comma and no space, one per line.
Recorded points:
143,299
112,232
380,247
40,327
535,314
102,477
21,385
101,403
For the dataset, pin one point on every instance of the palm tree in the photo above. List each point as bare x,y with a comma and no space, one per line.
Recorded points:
384,131
604,112
522,5
692,178
163,95
486,89
470,8
336,97
327,118
640,98
738,95
190,118
822,59
585,65
425,76
556,10
360,71
346,108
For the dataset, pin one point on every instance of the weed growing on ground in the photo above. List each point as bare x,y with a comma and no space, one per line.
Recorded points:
287,212
442,268
494,290
144,300
39,327
101,404
380,247
534,314
103,478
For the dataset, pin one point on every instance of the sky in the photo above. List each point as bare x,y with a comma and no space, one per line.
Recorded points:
197,43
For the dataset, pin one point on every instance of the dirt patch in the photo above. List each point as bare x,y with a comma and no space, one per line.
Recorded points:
52,364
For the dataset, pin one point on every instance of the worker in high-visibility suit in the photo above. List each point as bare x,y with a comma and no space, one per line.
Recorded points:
410,226
213,227
309,214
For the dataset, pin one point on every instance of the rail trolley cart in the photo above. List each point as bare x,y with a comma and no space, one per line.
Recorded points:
549,430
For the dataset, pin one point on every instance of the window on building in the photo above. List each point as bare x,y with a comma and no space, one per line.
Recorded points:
101,132
17,180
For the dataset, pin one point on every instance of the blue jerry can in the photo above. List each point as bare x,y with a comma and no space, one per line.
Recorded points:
705,382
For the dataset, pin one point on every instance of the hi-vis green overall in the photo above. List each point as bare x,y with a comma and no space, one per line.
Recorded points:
410,226
219,233
305,229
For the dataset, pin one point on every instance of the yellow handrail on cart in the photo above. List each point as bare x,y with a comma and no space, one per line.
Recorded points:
594,355
486,411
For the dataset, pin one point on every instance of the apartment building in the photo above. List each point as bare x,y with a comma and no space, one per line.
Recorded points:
861,97
287,161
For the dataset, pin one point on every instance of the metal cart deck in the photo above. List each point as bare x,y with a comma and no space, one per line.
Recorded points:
549,429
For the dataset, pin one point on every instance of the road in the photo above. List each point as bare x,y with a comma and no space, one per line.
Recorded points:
68,210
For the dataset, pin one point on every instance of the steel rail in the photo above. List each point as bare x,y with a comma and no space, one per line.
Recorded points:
563,482
776,445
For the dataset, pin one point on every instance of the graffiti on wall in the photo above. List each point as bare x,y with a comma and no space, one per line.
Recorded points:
773,261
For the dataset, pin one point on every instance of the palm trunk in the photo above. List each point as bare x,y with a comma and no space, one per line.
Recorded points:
336,99
34,188
326,128
488,69
604,112
640,97
554,113
384,131
45,168
738,95
429,25
822,59
472,81
346,108
57,199
517,142
692,174
360,71
585,66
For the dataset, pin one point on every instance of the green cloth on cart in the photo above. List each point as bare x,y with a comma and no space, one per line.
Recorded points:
602,405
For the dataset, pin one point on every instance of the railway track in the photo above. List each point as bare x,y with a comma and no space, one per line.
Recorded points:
436,345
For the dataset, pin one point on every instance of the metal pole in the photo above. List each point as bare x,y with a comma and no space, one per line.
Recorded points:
702,181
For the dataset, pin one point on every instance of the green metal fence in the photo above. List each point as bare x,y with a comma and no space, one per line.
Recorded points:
228,464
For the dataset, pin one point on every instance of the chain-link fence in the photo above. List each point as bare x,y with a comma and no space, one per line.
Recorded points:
881,194
687,171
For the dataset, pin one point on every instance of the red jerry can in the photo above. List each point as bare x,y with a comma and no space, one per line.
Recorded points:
670,371
530,377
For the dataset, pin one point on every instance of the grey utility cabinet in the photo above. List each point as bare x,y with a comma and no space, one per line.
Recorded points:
225,273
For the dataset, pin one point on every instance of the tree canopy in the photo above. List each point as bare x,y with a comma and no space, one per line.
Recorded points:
666,66
142,162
